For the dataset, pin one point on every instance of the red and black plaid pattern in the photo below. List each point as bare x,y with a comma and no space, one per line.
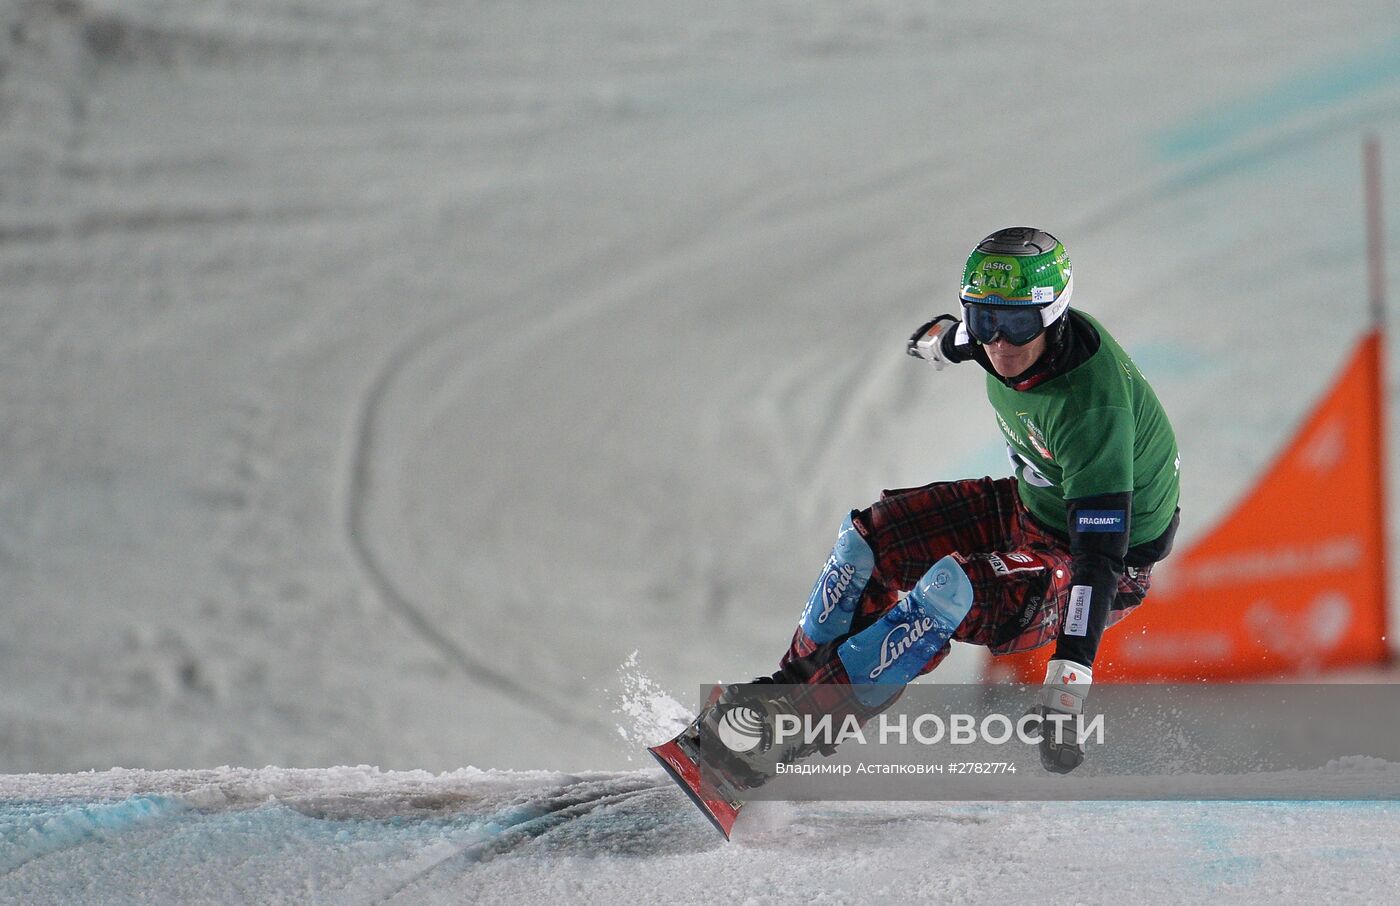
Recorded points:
1020,574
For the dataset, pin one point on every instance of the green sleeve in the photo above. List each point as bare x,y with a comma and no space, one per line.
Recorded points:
1097,455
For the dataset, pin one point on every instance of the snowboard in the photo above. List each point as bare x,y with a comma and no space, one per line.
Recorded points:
717,798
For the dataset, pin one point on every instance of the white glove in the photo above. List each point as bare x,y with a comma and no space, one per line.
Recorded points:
927,341
1066,687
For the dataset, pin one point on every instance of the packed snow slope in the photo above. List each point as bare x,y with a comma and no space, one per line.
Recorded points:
359,836
376,378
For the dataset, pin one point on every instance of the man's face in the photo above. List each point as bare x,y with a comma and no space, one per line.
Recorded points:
1009,360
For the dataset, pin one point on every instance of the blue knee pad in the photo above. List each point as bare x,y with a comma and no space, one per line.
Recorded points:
896,647
833,600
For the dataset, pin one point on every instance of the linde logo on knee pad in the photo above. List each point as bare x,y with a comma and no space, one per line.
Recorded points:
835,582
899,640
892,650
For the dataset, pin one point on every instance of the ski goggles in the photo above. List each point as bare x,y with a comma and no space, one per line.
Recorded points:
1017,324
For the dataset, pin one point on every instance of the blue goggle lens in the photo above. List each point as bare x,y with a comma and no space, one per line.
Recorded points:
1018,324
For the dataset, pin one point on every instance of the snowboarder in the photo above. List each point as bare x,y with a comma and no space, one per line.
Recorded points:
1057,553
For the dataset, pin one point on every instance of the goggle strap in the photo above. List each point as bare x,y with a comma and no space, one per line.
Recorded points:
1049,313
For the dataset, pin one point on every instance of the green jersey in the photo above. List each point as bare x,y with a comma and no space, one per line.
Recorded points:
1096,429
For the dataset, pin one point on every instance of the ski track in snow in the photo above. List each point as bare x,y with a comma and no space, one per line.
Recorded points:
474,666
447,361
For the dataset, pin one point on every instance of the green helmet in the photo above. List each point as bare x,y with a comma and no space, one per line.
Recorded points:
1020,266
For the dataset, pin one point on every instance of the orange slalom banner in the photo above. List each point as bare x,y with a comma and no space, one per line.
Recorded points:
1293,581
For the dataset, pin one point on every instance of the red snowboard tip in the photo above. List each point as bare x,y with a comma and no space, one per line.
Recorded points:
686,774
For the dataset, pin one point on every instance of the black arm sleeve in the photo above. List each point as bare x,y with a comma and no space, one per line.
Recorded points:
1098,541
952,350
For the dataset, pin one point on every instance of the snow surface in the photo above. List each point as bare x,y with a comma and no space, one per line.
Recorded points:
377,378
359,835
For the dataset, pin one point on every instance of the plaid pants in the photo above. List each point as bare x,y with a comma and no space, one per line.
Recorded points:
1020,574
